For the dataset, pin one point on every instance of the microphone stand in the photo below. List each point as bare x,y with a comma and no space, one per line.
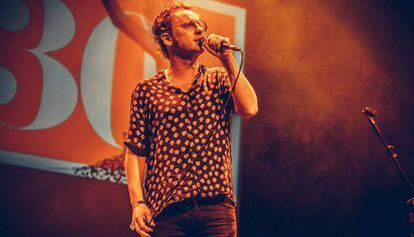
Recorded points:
371,113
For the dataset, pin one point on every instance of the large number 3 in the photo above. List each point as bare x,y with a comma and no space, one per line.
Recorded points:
59,92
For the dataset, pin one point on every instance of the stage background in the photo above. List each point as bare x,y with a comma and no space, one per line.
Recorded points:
310,164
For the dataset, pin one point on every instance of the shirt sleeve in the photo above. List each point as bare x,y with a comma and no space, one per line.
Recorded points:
137,139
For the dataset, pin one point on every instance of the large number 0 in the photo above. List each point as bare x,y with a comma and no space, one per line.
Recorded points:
96,79
97,74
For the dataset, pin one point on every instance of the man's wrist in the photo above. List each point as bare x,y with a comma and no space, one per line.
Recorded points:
227,59
230,65
137,203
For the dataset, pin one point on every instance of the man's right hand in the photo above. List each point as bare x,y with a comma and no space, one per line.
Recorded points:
141,216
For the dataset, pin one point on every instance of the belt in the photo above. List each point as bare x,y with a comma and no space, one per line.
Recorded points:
190,203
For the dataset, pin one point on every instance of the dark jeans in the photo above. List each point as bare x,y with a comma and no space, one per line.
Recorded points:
197,217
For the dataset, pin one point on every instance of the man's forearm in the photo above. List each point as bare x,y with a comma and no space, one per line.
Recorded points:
135,29
135,172
244,97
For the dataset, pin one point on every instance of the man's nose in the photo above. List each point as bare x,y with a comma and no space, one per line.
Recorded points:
199,30
201,27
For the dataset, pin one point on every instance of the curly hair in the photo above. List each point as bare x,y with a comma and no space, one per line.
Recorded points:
162,23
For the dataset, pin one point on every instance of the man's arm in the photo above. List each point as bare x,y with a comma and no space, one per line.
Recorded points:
135,170
135,173
244,97
135,29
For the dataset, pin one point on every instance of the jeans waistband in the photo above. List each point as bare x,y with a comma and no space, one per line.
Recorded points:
190,203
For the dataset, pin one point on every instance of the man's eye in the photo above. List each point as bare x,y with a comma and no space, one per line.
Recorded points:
189,25
194,25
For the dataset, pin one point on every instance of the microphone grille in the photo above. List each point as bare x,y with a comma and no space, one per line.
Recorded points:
369,111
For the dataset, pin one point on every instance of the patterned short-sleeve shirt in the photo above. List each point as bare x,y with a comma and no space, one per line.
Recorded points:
170,127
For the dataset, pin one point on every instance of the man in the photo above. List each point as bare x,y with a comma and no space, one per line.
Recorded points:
179,123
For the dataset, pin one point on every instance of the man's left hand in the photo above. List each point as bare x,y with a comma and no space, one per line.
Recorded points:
214,46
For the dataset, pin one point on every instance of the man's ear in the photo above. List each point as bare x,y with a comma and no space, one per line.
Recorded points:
166,39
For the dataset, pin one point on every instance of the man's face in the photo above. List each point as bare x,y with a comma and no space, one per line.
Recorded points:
186,32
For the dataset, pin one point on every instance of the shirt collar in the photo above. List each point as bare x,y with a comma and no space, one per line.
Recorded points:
202,69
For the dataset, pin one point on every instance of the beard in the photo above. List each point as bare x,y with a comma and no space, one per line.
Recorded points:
186,51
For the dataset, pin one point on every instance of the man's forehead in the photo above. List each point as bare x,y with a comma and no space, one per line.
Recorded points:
185,15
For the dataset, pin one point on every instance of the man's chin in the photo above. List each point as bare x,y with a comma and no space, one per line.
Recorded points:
199,50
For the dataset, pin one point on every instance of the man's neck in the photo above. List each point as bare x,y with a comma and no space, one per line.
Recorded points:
182,68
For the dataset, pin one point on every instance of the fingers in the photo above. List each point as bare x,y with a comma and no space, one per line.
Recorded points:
214,45
215,41
141,227
148,217
210,50
138,230
144,225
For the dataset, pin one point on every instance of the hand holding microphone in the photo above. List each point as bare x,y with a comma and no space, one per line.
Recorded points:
218,46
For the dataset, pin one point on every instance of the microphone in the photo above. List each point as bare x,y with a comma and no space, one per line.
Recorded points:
229,46
368,111
371,113
222,46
